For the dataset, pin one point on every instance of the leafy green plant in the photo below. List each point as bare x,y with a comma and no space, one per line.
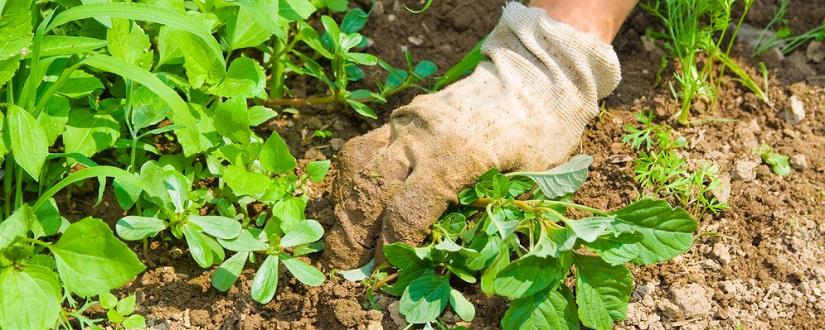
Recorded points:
660,168
119,312
693,27
323,133
783,39
503,243
778,162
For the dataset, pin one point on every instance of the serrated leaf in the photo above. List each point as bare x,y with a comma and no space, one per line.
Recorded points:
15,29
302,271
88,133
667,232
546,309
602,291
31,298
27,139
227,274
133,228
424,299
303,232
147,108
562,180
275,156
54,117
90,259
243,31
245,78
465,310
128,42
317,170
518,279
265,281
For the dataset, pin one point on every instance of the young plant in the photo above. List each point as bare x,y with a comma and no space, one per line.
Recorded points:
660,169
119,312
783,38
525,250
778,162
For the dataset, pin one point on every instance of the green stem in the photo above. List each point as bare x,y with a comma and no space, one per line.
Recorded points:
7,185
37,242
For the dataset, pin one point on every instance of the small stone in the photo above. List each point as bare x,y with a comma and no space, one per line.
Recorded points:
692,299
721,252
396,316
336,143
669,310
722,192
794,111
616,159
416,40
815,52
799,162
391,18
744,170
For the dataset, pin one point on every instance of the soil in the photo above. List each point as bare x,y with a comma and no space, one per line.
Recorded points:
757,265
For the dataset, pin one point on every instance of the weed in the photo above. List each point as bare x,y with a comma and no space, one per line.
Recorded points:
119,312
661,169
778,162
323,133
783,38
504,242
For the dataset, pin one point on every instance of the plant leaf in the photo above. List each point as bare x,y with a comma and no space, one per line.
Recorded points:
28,140
425,298
133,228
88,133
518,279
231,119
15,226
31,298
562,180
602,291
265,281
275,156
198,246
243,242
243,31
358,274
217,226
243,182
317,170
667,232
245,78
302,271
546,309
128,42
68,45
290,212
227,274
465,310
90,259
134,321
304,232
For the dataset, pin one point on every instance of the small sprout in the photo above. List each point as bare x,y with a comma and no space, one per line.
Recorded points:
778,162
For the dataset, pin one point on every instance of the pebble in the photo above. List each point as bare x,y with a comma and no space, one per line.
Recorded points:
336,143
391,18
815,51
799,162
616,159
722,192
692,299
721,252
794,111
744,170
416,40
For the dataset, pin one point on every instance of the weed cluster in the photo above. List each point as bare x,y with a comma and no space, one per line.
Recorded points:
783,38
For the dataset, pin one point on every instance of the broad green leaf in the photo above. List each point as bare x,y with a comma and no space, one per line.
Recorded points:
426,68
303,232
48,219
667,232
217,226
362,109
227,274
80,84
231,119
554,243
90,259
188,135
354,20
275,156
588,229
242,30
126,305
358,274
15,29
147,108
151,174
488,247
546,309
243,182
290,212
562,180
133,228
465,310
201,67
107,300
134,321
28,140
295,10
518,279
317,170
260,114
8,67
68,45
425,298
198,246
144,12
489,276
218,254
302,271
177,186
264,13
128,42
54,117
410,261
245,78
602,291
265,281
88,133
31,298
15,226
617,250
244,242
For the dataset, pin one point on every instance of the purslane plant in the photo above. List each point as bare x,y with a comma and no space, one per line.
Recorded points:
525,249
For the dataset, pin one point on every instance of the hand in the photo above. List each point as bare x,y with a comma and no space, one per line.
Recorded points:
524,110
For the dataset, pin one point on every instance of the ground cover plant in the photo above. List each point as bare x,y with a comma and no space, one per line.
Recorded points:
503,242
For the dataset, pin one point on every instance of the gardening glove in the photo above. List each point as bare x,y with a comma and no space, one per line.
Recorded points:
523,110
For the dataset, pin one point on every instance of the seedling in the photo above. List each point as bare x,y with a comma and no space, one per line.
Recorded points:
119,312
504,242
778,162
323,133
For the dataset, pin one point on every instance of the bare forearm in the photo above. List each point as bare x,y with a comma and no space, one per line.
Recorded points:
601,18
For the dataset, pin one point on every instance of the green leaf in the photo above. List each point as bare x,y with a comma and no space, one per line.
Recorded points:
231,119
244,242
295,10
425,298
304,232
667,232
48,219
114,316
602,291
15,29
465,310
177,187
354,20
425,68
144,12
31,298
68,45
201,67
562,180
243,182
290,211
107,300
275,156
488,277
302,271
80,84
88,133
128,42
617,250
588,229
265,13
217,226
245,79
198,245
126,305
8,68
28,140
265,281
518,279
227,274
134,322
358,274
54,117
147,108
317,170
362,109
260,114
546,309
90,259
16,226
242,30
133,228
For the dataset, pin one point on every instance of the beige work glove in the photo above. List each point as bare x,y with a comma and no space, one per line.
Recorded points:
524,110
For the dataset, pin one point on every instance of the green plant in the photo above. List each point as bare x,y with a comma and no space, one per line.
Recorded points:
696,26
323,133
525,249
119,312
778,162
783,38
660,168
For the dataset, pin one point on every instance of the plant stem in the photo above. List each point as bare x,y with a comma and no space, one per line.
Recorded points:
384,281
526,205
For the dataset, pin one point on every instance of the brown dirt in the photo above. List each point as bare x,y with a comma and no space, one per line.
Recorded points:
758,265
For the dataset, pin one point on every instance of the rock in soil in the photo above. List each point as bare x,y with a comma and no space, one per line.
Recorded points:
815,52
744,170
794,111
692,299
799,162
